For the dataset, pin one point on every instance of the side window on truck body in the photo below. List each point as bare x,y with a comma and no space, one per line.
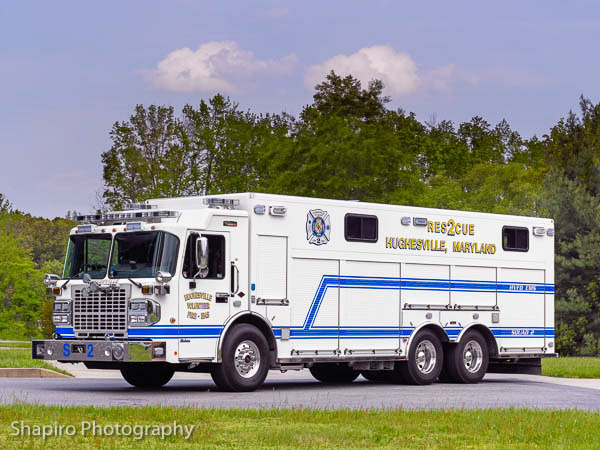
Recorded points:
515,239
361,227
216,256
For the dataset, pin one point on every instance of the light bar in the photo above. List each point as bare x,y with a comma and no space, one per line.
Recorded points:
124,216
405,221
130,206
539,231
216,202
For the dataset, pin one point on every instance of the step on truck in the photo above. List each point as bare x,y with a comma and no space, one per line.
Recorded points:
239,284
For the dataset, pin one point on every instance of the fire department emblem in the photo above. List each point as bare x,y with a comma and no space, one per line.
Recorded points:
318,227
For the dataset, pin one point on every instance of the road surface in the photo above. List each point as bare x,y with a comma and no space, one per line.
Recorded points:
299,389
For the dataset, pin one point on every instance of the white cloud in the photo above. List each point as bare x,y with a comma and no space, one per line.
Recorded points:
398,71
215,66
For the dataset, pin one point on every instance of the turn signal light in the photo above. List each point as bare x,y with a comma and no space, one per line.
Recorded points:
56,291
146,289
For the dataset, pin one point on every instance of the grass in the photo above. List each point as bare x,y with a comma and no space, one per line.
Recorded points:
21,344
20,357
568,367
304,428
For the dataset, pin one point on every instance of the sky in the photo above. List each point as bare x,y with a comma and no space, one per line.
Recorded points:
70,69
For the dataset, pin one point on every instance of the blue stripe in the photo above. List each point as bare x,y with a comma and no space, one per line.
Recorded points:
309,331
420,284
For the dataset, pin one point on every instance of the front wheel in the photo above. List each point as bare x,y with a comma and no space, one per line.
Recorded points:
146,376
425,359
245,360
467,361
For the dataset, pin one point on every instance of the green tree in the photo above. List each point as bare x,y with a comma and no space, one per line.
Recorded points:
5,205
230,150
21,290
146,159
571,197
347,145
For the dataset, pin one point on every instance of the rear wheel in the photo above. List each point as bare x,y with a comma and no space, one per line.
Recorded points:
425,359
334,373
245,360
147,377
467,361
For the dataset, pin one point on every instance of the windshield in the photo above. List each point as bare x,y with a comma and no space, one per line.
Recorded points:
87,253
142,254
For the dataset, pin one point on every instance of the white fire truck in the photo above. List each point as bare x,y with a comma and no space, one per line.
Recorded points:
239,284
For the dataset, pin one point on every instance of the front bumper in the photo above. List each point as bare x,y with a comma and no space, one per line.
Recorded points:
76,350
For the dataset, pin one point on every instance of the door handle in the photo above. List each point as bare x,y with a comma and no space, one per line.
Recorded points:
235,281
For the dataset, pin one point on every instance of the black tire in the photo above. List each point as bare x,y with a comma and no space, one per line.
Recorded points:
334,373
467,361
417,370
147,377
250,346
376,375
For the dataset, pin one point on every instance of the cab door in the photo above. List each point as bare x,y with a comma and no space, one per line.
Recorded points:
204,303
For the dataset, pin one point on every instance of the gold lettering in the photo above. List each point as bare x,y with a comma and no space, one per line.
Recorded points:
198,305
451,225
430,227
472,229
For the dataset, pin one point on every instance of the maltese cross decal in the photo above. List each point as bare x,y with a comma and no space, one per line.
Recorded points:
318,227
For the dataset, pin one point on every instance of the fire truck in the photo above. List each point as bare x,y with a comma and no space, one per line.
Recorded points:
236,285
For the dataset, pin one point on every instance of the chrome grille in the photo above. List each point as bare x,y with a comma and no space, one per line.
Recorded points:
100,312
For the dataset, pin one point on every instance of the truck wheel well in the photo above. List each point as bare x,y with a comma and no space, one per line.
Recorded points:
265,329
489,339
438,331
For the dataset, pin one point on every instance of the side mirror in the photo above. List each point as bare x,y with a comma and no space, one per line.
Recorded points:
50,280
202,257
163,277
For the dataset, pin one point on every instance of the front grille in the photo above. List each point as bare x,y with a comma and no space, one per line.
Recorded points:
100,312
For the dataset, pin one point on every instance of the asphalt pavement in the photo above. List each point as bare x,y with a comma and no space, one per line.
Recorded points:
299,389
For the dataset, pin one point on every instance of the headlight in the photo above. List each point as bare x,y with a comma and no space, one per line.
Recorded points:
143,312
61,312
61,319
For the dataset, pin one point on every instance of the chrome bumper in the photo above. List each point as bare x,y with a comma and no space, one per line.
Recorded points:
89,350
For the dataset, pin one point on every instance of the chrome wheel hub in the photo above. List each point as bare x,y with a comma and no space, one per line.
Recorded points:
426,357
473,356
247,359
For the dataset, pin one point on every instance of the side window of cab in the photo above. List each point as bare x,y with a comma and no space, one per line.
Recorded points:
216,256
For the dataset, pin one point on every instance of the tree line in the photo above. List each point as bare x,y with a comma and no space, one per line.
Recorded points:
349,144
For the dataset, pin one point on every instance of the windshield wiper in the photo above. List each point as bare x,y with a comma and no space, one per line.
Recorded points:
139,285
70,278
